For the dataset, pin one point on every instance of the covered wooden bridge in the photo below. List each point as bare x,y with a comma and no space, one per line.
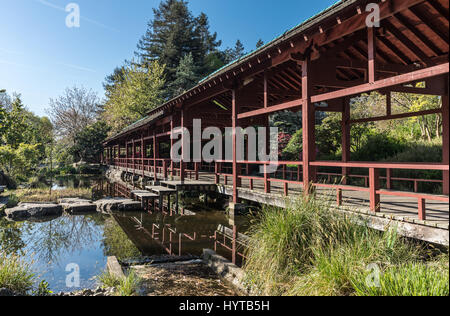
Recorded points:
316,67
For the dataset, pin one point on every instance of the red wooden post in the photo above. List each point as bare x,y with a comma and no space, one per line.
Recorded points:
196,165
422,209
374,186
182,171
154,156
233,255
165,169
171,146
134,156
216,171
388,179
308,117
235,166
345,127
371,43
445,141
142,156
339,197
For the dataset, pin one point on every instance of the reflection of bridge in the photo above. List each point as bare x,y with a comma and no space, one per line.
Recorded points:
153,237
316,67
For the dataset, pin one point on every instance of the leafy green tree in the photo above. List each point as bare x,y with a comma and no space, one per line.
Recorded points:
16,124
141,90
287,122
88,143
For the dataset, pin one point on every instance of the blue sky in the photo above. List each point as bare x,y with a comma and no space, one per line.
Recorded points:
40,56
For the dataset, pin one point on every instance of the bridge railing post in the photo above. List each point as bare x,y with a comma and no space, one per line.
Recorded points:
374,186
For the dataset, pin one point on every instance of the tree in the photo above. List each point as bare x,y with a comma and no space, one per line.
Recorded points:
175,33
16,124
73,111
259,43
232,54
141,90
186,76
88,143
112,80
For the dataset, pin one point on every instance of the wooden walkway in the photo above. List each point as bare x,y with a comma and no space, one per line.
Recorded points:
395,207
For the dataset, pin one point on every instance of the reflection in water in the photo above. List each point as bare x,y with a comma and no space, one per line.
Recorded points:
162,233
87,240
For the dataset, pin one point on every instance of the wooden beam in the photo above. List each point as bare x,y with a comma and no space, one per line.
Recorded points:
308,123
405,41
396,116
272,109
234,125
371,56
445,141
385,83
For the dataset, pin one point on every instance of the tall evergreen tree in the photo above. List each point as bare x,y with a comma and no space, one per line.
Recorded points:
259,44
173,34
186,76
232,54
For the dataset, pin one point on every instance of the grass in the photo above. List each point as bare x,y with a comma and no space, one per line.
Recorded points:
127,286
15,274
310,249
45,195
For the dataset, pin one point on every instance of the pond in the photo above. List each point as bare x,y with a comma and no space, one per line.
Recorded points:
87,240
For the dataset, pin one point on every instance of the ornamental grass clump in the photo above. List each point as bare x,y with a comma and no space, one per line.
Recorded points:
309,248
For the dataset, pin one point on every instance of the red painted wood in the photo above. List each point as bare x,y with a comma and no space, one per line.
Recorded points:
308,123
272,109
182,166
383,165
339,196
445,142
422,209
388,179
384,83
371,44
234,120
345,130
374,186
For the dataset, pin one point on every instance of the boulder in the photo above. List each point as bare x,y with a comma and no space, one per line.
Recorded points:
109,205
76,206
33,210
17,213
6,292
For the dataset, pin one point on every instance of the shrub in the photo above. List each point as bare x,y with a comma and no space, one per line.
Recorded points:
311,249
15,274
13,200
127,286
414,279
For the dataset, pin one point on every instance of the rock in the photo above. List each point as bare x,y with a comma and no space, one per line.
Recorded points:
6,292
17,213
109,205
33,210
76,206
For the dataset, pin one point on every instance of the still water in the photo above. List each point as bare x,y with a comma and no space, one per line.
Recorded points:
54,245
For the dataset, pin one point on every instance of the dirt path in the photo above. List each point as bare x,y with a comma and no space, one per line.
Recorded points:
189,278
